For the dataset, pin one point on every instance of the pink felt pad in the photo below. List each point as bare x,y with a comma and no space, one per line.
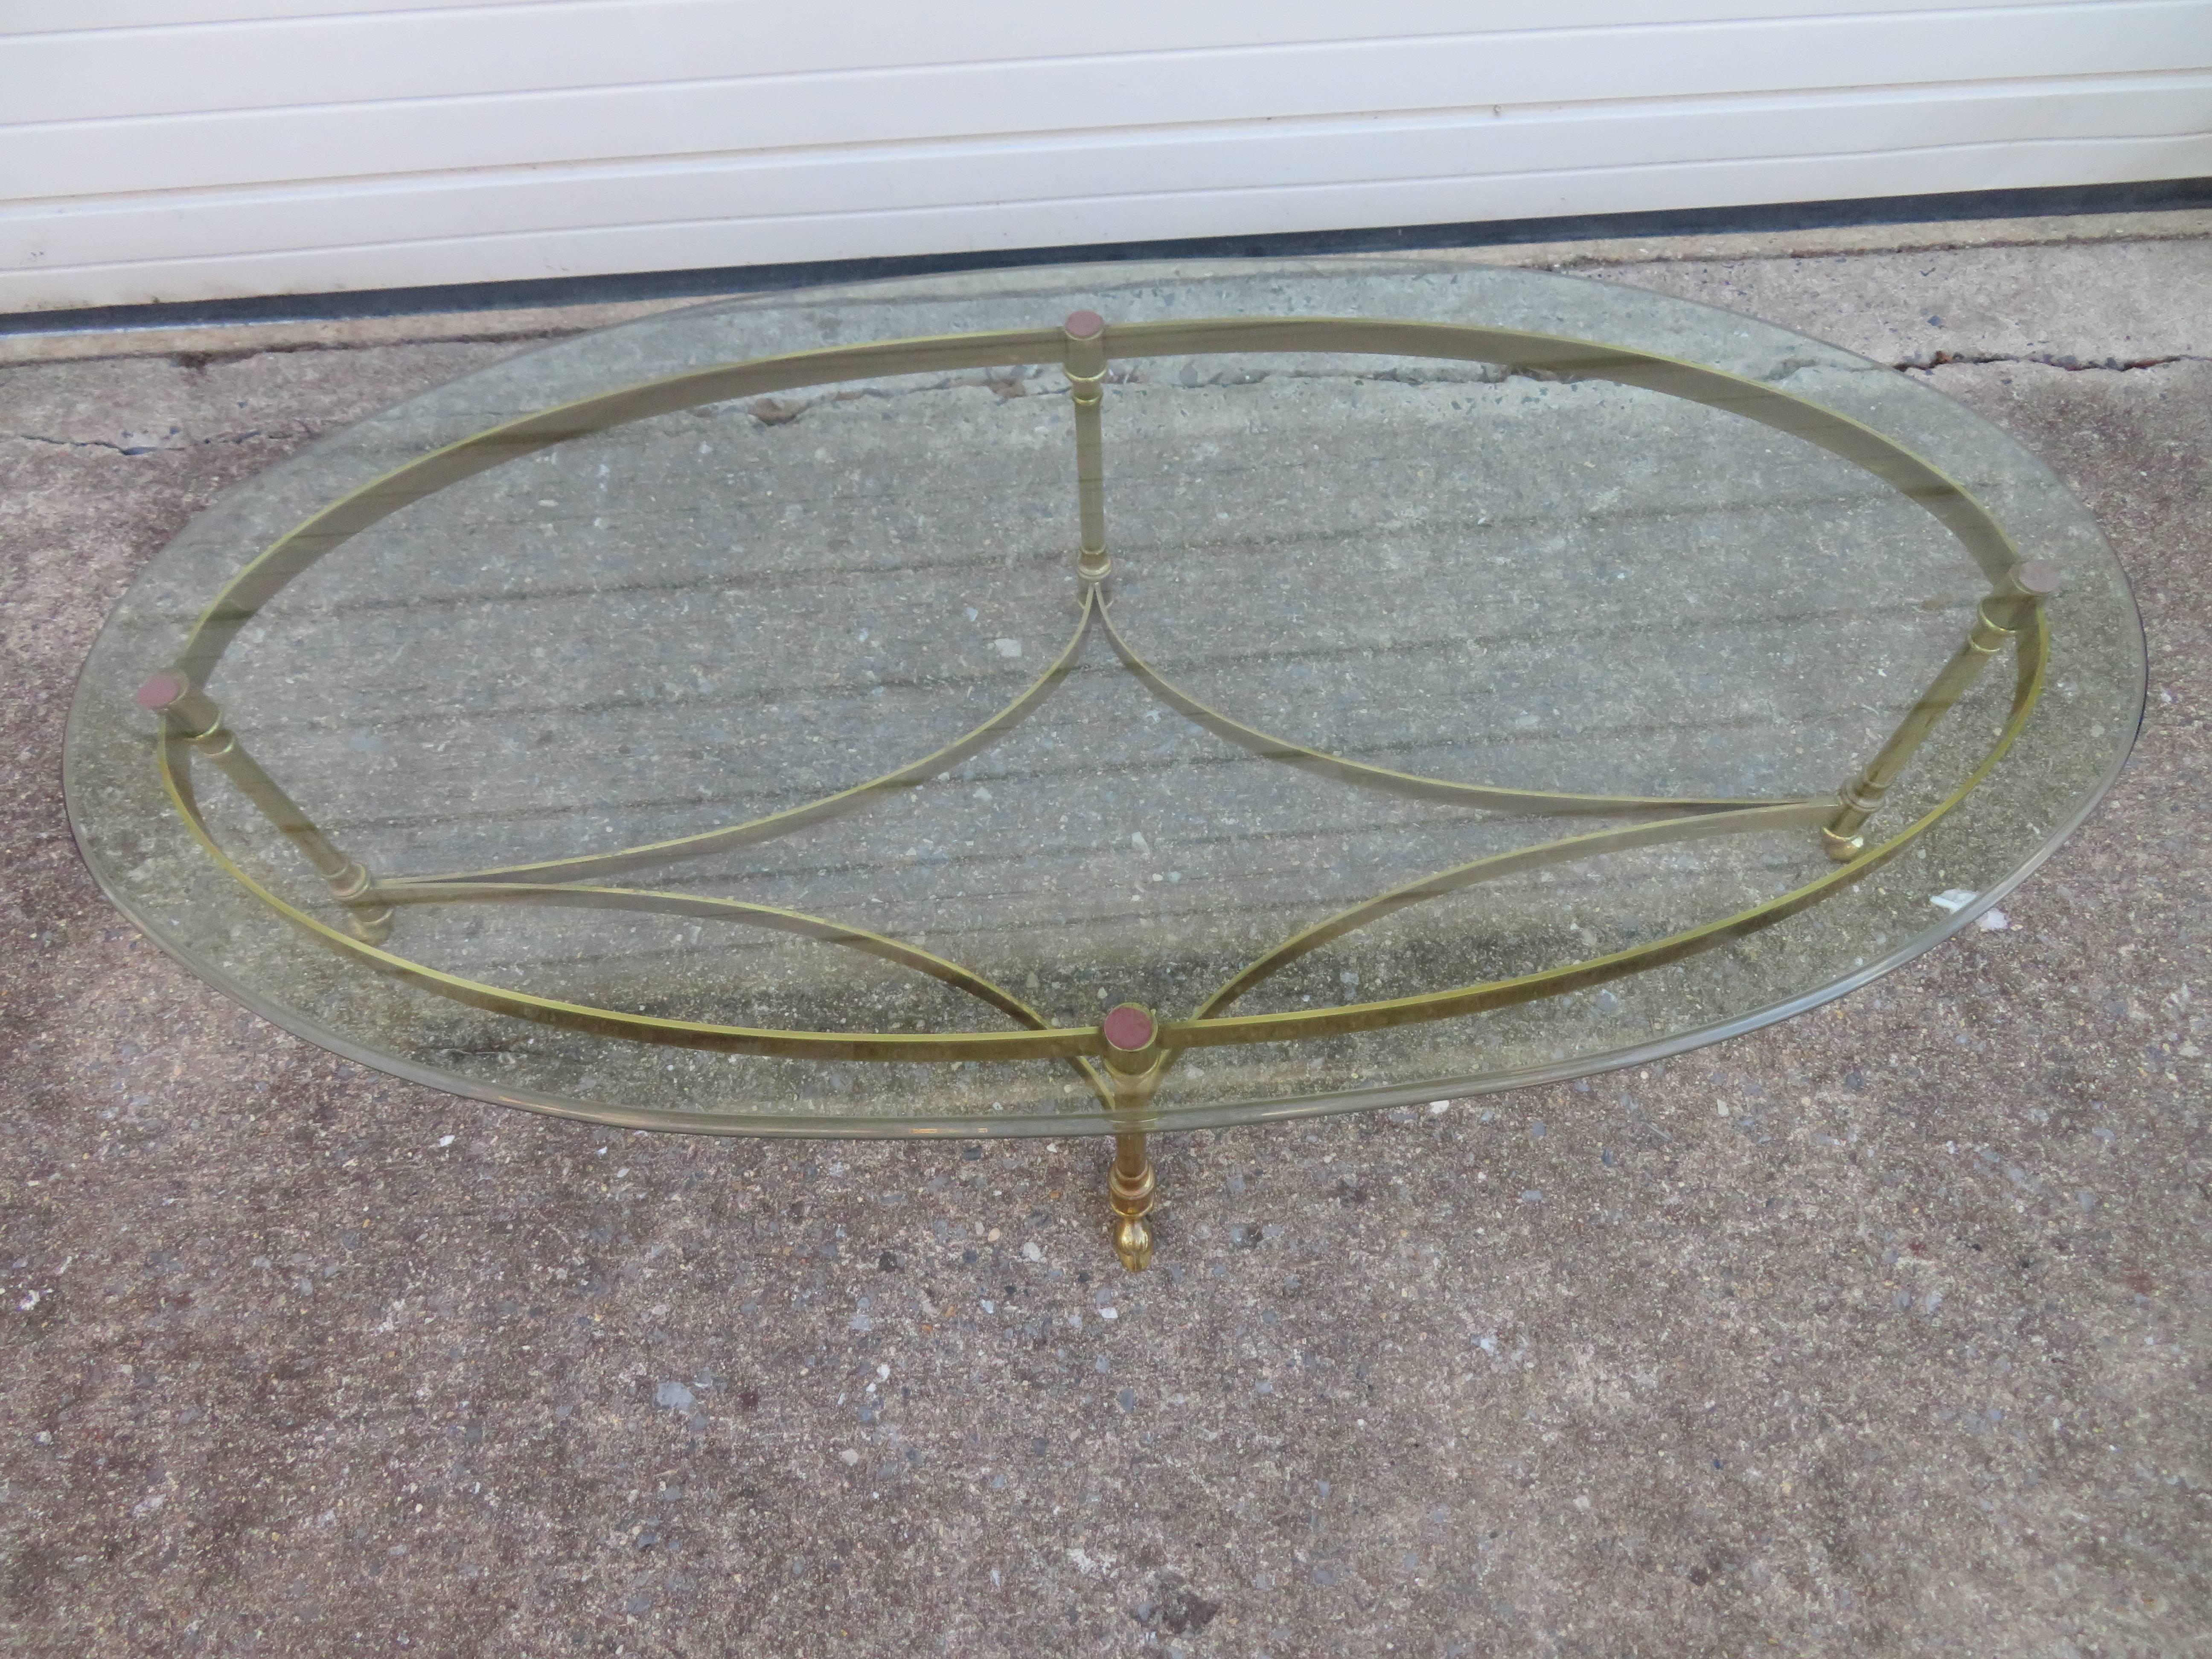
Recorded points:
162,690
1128,1027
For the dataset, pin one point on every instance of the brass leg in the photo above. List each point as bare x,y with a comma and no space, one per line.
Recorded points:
191,715
1996,623
1130,1191
1085,360
1134,1060
1133,1056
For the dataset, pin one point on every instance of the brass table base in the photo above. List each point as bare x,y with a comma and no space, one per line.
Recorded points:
1125,1057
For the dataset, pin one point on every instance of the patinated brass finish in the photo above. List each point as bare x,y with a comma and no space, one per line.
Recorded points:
1997,622
1122,1064
590,865
1084,360
1129,1189
191,716
1134,1064
1534,802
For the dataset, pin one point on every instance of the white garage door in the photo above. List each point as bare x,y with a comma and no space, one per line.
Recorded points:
184,149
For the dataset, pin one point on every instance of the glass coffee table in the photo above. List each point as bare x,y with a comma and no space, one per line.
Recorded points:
1103,701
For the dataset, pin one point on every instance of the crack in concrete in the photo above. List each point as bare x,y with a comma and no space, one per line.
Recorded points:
80,443
1694,250
2071,364
198,359
140,449
774,411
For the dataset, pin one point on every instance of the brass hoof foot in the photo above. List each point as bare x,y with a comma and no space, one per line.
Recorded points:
1133,1242
1842,849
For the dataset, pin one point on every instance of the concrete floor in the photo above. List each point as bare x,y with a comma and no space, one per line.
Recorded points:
1894,1344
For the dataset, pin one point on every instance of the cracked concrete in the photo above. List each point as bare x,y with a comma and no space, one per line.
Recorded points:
2066,305
196,347
1938,359
172,439
1892,1342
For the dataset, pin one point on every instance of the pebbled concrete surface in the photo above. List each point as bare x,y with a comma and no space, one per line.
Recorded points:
1881,1332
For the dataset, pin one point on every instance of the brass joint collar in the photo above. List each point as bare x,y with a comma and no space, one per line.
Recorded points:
1131,1195
1084,346
181,713
1862,796
351,883
1990,633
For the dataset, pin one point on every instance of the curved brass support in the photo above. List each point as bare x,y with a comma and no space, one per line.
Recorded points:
322,532
1051,1042
299,548
1792,815
1489,797
1926,486
1292,1026
586,865
766,916
175,751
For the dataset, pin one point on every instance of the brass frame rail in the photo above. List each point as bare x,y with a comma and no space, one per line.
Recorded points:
1124,1058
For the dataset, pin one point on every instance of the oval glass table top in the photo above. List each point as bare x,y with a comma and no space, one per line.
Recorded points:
816,714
